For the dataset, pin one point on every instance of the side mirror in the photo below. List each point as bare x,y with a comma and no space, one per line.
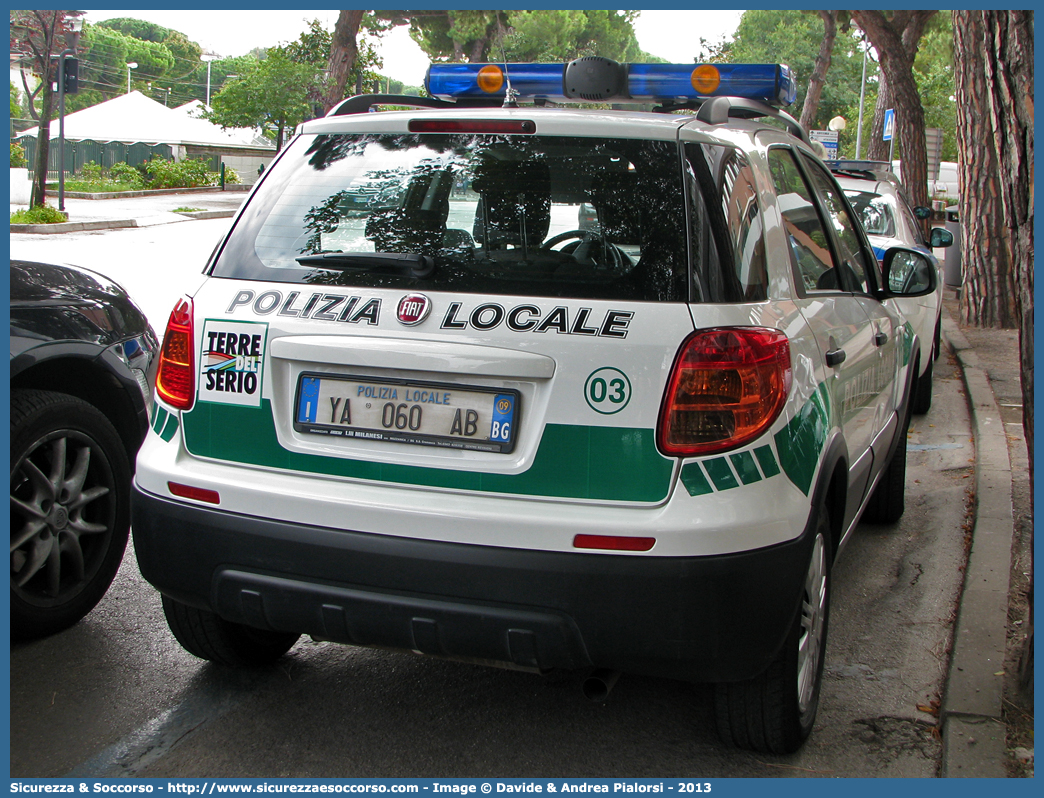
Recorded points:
941,238
909,273
922,213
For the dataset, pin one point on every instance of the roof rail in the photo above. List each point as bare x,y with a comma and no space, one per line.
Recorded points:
362,103
718,111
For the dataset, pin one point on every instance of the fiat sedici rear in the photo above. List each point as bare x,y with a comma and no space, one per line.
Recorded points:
416,405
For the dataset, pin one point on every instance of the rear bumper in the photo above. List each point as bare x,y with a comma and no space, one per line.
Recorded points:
717,618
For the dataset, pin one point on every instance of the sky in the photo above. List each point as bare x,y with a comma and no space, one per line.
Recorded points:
673,34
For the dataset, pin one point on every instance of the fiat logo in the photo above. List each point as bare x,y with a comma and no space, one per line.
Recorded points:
413,309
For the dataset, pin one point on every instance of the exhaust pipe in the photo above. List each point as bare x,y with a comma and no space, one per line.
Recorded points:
598,683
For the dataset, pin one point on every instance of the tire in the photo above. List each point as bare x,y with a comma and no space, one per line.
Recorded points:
775,711
888,501
938,340
922,398
210,637
70,510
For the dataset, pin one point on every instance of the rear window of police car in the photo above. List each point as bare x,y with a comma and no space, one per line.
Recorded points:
551,216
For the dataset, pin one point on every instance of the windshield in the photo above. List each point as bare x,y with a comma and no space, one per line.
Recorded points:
540,216
875,211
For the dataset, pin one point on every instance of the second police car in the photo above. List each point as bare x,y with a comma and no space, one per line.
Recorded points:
888,219
453,422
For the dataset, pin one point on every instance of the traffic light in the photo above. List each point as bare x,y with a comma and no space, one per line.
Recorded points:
71,75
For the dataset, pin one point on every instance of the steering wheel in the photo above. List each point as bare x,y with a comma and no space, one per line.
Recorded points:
582,235
590,246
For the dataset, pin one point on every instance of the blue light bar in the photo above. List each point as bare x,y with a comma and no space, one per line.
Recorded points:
770,83
602,80
453,81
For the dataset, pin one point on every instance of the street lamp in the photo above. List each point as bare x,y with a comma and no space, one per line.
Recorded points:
130,65
207,58
72,37
837,124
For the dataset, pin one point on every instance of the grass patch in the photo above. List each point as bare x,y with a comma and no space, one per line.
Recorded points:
97,186
39,214
188,210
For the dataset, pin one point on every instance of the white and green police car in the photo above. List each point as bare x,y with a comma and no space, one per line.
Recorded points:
446,419
888,219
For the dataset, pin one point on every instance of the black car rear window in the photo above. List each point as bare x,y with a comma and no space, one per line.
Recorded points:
537,216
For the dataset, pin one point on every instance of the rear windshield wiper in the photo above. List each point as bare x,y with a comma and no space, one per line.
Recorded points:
409,264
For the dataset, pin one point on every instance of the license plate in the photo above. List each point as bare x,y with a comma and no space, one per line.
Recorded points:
427,414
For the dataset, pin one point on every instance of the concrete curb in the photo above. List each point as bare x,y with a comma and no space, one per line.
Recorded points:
74,227
158,192
222,214
971,714
113,224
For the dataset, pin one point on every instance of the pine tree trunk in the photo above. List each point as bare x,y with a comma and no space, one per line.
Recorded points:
819,71
993,58
878,148
896,40
344,49
989,290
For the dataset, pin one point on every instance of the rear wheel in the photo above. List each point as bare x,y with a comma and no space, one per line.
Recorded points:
208,636
888,501
774,712
922,398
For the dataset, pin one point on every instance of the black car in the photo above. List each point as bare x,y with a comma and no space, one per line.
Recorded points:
81,373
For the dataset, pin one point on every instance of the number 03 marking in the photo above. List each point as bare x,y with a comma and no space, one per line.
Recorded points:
607,391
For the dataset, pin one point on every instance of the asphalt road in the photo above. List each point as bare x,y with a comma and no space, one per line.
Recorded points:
116,696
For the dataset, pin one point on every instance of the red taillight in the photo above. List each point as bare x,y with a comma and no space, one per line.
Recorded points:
175,376
728,385
190,492
613,542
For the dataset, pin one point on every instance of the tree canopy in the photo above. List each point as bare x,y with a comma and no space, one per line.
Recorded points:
546,35
784,36
38,37
274,94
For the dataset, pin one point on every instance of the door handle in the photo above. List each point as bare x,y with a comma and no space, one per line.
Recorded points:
835,357
880,338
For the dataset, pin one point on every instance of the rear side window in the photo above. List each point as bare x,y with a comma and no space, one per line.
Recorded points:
524,215
855,262
809,245
728,244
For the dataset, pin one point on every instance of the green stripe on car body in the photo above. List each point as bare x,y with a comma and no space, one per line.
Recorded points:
767,461
170,429
607,463
693,479
696,482
720,473
743,462
800,443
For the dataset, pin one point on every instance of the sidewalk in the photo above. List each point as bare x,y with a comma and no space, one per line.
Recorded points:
137,211
981,705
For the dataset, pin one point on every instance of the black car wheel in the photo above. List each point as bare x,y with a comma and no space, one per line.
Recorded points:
888,501
209,636
922,398
774,712
70,510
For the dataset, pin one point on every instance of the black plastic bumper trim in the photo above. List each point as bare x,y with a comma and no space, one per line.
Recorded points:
719,618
